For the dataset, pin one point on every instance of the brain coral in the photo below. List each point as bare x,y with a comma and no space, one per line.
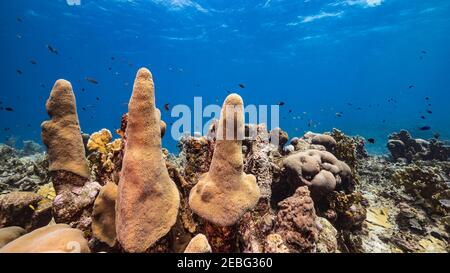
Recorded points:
321,171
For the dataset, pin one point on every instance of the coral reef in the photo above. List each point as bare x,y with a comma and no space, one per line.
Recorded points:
20,172
25,209
53,238
404,147
61,134
426,185
104,215
148,200
239,188
198,244
68,167
321,171
105,156
296,222
226,179
9,234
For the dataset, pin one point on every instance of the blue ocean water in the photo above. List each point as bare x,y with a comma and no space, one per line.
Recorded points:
372,61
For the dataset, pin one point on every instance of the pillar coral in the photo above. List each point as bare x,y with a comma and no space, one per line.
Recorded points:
225,193
148,200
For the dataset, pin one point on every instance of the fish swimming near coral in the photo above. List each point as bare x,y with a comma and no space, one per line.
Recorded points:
9,109
371,140
241,85
429,112
166,107
91,80
425,128
52,49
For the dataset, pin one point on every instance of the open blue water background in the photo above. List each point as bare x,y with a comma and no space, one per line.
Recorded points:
358,57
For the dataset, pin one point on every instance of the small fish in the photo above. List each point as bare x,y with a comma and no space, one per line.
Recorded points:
32,207
97,98
423,52
7,129
241,85
427,98
28,125
42,85
109,68
411,86
290,111
52,49
383,121
83,89
422,117
281,103
91,80
429,111
19,20
436,135
19,71
371,140
166,107
228,92
33,61
359,108
9,109
339,114
84,108
113,58
425,128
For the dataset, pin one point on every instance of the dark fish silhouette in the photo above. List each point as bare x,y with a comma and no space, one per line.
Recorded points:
436,135
411,86
84,108
32,61
423,52
371,140
383,121
9,109
113,58
427,98
281,103
97,98
339,114
82,89
19,20
19,71
241,85
7,129
290,111
166,107
359,108
422,117
52,49
91,80
429,112
425,128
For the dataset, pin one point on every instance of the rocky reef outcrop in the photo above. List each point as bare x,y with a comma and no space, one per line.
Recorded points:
404,147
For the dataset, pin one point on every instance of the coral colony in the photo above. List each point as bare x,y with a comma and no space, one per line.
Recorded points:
237,188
